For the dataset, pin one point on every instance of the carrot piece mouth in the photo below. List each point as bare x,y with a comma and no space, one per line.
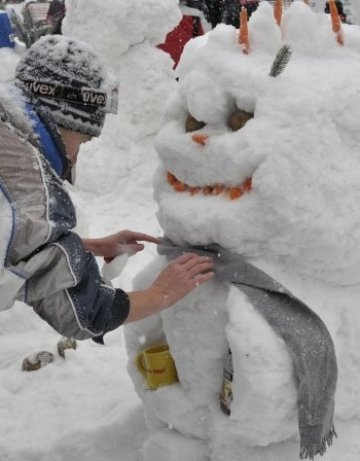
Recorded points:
218,189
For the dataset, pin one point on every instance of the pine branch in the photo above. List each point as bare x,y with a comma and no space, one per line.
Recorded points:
281,61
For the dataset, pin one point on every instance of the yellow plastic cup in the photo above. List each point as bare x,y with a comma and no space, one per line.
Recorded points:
157,366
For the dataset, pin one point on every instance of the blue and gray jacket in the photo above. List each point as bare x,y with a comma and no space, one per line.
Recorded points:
42,262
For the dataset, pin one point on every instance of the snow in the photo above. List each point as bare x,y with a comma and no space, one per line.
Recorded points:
9,62
299,223
85,407
236,80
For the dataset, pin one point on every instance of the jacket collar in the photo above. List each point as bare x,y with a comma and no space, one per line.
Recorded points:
48,140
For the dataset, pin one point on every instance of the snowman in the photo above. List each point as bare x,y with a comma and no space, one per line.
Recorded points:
259,159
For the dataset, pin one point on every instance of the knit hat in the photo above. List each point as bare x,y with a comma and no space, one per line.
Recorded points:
66,79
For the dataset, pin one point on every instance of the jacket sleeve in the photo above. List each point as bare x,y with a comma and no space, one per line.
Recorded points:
65,288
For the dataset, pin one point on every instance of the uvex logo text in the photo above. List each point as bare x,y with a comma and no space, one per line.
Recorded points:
70,94
95,98
42,89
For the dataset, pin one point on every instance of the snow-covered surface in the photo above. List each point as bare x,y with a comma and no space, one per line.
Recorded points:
355,12
86,408
299,223
305,122
9,61
145,79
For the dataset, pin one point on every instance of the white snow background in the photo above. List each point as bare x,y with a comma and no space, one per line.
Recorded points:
85,407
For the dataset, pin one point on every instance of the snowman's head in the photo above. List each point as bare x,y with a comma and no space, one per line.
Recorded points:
268,166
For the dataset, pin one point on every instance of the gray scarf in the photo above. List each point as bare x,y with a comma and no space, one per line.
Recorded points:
305,335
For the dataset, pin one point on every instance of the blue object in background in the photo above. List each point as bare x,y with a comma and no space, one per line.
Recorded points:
6,31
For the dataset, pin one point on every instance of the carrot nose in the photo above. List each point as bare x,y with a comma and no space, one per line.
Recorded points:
200,138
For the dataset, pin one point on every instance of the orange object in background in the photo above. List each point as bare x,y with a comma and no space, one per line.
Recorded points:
336,22
278,11
244,31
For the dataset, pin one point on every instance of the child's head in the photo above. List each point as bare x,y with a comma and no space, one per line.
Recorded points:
66,79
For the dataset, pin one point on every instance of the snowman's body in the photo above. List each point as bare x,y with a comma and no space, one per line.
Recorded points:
300,223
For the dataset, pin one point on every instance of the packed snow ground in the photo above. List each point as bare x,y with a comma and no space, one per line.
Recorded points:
85,407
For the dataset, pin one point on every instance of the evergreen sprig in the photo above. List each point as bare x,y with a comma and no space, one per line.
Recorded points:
281,60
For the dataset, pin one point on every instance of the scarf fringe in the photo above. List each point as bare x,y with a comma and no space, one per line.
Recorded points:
309,453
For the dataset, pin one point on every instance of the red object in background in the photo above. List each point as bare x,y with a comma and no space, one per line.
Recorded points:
188,28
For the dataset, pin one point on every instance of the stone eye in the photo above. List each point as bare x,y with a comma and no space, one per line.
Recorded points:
192,124
238,119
